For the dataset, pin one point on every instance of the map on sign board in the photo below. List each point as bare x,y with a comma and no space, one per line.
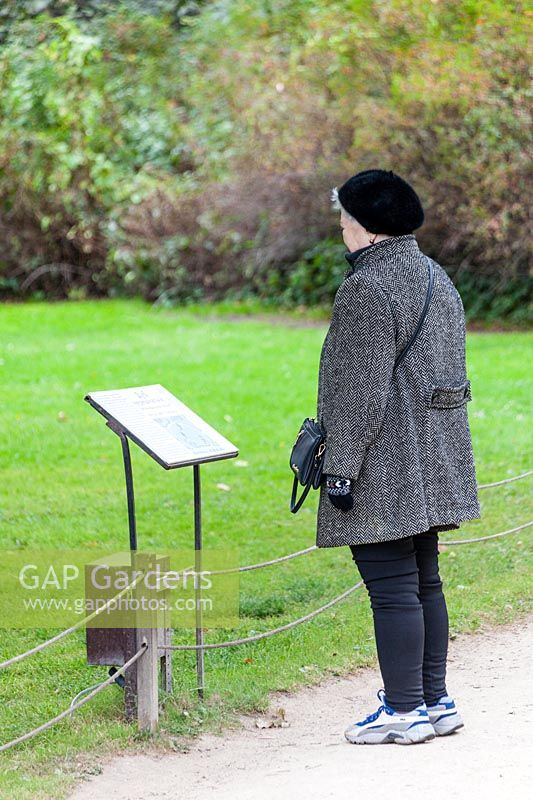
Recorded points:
162,425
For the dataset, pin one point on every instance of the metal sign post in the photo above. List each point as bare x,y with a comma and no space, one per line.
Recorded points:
130,497
174,436
197,583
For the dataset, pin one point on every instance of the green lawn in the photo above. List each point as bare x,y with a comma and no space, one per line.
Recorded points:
61,484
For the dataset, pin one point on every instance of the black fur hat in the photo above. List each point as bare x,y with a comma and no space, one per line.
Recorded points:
381,201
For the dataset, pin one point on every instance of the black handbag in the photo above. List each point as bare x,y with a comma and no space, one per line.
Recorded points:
307,459
307,455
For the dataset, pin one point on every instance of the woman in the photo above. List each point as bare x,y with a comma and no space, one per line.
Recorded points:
398,465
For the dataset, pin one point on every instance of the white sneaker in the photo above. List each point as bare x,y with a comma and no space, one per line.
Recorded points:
386,725
444,716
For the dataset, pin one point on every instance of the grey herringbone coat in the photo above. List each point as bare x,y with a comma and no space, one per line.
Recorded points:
402,437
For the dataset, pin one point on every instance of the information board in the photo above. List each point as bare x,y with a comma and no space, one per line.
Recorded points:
162,425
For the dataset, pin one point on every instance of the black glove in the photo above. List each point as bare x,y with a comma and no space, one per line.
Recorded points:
339,492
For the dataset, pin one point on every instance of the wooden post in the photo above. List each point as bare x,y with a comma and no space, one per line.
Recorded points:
147,672
147,684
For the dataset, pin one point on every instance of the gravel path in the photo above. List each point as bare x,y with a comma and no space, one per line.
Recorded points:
490,676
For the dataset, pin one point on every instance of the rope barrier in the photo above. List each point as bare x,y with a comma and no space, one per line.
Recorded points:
71,709
491,536
298,553
247,568
68,631
83,692
274,561
73,628
335,600
258,636
506,480
93,691
314,547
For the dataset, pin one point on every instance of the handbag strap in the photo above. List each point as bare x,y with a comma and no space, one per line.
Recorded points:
295,506
422,316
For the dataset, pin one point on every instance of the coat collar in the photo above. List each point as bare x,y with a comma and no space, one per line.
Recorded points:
352,257
384,249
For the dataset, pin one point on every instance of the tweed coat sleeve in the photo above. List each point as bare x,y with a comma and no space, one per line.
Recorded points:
355,373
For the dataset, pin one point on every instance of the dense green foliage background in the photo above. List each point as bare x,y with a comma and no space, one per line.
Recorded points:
186,151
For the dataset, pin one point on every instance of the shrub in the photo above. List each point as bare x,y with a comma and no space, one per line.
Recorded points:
223,238
80,137
138,157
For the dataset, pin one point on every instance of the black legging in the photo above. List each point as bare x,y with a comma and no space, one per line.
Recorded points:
410,617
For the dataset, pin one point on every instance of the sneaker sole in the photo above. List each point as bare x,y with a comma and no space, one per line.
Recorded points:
444,729
448,725
417,735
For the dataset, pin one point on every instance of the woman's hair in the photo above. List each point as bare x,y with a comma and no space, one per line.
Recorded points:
337,203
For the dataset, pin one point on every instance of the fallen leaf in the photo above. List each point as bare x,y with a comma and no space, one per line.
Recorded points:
276,721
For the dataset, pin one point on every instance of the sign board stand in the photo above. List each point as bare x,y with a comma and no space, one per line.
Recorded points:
130,496
197,589
174,436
